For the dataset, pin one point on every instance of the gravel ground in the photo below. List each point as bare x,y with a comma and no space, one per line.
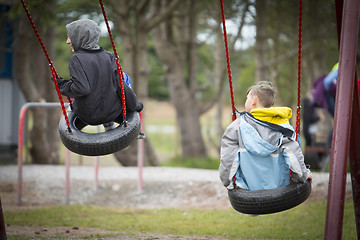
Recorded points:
163,187
118,186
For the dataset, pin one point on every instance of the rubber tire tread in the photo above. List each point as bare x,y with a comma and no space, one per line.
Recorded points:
269,201
97,144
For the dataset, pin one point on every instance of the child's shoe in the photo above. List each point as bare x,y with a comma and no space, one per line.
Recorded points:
141,135
108,126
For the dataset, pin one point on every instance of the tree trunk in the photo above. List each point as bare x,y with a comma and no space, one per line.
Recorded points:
53,115
187,114
220,69
33,77
260,44
177,55
150,158
218,72
132,22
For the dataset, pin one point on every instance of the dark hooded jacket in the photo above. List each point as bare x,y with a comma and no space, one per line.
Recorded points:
94,82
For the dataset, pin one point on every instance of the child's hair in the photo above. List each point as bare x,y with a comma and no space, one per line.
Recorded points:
265,92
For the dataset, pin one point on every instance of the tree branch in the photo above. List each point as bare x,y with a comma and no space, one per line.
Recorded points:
153,22
293,52
122,15
140,7
209,104
221,83
242,23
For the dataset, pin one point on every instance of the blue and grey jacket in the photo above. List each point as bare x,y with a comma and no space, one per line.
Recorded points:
258,155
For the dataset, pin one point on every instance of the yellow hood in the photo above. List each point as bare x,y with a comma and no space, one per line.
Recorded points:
276,115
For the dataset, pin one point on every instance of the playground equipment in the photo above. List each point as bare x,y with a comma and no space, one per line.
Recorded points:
100,143
92,144
22,118
72,136
346,138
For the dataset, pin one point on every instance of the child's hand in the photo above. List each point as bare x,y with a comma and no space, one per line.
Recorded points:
309,176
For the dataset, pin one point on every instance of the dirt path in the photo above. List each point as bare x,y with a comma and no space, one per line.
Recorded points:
54,233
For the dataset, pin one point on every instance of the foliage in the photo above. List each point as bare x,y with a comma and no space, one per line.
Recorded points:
281,44
158,88
305,221
46,18
281,38
246,68
166,144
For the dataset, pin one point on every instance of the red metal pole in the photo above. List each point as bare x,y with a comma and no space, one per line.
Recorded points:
67,176
339,6
2,224
355,132
140,154
96,167
20,150
342,120
354,156
22,115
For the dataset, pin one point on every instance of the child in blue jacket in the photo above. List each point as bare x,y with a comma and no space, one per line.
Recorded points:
259,149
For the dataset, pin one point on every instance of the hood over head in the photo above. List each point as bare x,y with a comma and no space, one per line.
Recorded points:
83,33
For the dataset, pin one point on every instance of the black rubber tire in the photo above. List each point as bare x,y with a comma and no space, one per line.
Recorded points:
97,144
269,201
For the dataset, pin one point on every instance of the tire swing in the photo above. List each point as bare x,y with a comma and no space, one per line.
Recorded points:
70,126
272,200
102,143
96,144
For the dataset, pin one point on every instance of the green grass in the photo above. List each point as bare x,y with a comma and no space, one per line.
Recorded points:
207,163
164,143
306,221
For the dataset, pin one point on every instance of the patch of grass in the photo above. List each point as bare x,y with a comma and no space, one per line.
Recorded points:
164,143
206,163
306,221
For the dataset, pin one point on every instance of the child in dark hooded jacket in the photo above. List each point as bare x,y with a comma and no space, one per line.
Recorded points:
94,82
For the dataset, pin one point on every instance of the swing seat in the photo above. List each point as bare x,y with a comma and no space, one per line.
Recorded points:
271,200
97,144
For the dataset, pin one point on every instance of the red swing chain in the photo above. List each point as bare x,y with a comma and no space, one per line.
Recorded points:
228,62
297,130
52,68
118,65
299,66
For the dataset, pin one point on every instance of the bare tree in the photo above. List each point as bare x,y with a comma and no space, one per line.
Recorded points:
236,11
176,44
34,79
260,45
221,73
134,21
